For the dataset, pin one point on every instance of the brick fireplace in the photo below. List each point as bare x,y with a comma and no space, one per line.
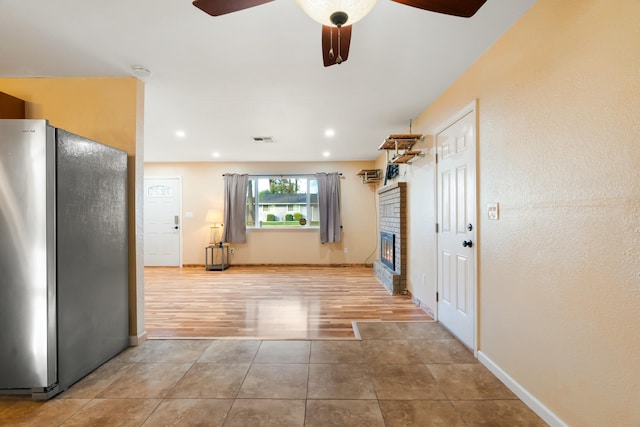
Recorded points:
391,266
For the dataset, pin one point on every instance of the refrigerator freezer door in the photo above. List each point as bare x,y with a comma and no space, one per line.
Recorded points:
93,306
27,255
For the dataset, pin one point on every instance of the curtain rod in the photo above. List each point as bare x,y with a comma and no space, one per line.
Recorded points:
276,175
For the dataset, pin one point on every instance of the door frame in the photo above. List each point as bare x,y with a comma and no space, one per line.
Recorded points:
472,107
180,219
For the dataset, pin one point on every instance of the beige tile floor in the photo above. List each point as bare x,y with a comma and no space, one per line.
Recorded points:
399,374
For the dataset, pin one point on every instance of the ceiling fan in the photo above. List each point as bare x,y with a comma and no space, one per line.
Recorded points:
337,16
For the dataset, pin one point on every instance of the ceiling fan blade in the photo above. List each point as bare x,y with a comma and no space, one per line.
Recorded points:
222,7
463,8
330,44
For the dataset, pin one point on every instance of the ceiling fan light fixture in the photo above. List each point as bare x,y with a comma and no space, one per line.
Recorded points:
339,18
322,10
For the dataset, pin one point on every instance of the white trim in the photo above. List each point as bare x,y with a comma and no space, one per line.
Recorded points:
137,340
284,228
417,301
356,331
182,216
472,106
434,202
527,398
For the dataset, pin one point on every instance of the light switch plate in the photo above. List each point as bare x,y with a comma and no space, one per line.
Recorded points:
188,214
493,211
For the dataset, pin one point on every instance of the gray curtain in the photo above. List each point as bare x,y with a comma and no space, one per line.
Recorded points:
235,208
329,206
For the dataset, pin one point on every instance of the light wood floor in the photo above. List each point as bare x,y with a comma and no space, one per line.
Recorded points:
283,302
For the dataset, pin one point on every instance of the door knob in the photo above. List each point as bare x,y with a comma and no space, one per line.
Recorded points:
467,243
176,227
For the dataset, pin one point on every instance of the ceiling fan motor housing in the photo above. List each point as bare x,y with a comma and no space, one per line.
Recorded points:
338,12
339,18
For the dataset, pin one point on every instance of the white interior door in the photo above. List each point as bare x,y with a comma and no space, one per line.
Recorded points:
456,148
162,222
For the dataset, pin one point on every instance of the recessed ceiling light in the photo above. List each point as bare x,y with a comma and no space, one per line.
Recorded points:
326,154
329,133
180,134
216,154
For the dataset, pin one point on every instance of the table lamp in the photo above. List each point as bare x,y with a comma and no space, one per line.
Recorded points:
214,217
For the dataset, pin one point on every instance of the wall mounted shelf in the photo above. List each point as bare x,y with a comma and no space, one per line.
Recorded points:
407,156
402,145
401,141
370,176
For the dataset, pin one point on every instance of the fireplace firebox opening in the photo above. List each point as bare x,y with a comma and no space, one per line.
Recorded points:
388,249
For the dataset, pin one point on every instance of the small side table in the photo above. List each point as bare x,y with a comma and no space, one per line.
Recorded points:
210,257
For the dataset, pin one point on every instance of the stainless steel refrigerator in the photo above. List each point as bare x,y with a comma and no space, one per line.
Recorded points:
63,257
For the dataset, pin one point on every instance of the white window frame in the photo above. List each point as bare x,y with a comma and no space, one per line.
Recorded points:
306,209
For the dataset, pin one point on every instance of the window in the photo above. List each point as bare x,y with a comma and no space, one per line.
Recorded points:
159,191
278,201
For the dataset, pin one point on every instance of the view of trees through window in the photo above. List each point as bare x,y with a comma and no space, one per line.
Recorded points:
282,202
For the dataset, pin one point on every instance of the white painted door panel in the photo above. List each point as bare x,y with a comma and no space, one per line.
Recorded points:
456,214
162,221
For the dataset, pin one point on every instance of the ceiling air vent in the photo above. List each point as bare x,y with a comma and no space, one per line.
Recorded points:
263,139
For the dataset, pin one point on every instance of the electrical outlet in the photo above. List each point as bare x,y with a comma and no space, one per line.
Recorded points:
232,250
346,250
493,211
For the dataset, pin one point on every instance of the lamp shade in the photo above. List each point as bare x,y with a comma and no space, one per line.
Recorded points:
214,216
321,10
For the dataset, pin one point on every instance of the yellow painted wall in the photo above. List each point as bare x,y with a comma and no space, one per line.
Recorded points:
107,110
203,189
103,109
559,149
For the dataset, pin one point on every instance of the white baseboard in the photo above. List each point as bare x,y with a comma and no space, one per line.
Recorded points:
135,340
528,399
422,305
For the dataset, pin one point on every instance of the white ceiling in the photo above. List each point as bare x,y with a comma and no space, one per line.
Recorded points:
257,72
